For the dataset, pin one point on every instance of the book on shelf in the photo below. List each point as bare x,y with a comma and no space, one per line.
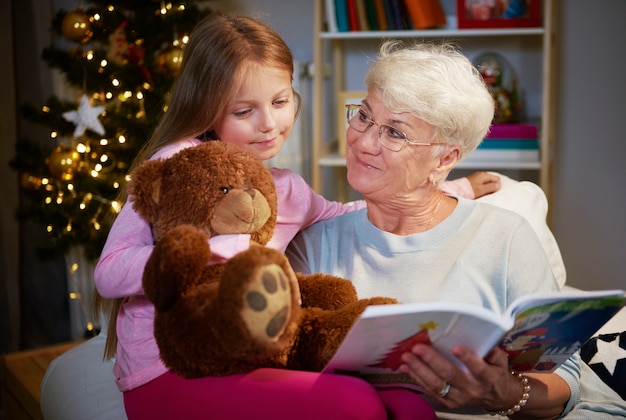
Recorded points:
539,332
374,15
425,14
510,142
513,131
340,15
331,16
381,15
370,11
353,15
389,15
362,14
395,14
491,158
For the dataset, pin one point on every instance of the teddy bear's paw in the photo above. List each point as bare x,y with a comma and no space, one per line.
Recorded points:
267,304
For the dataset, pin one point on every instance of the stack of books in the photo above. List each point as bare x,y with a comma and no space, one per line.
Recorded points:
509,143
383,15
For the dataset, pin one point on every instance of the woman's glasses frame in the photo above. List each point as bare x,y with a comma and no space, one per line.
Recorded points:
388,136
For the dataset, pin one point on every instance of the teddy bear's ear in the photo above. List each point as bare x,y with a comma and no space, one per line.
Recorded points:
144,188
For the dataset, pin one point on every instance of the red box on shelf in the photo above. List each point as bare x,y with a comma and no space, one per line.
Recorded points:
481,14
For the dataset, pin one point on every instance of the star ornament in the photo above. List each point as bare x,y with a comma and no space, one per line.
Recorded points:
86,117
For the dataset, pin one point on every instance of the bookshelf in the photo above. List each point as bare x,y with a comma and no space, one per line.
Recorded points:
344,58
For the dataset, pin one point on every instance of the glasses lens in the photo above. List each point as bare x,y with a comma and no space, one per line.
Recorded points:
357,119
390,137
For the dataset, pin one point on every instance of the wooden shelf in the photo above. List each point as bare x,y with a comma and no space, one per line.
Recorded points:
340,47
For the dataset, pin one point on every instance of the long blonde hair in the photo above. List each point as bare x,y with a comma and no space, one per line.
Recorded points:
221,52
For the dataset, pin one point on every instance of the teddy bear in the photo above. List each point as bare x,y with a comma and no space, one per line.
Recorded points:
243,313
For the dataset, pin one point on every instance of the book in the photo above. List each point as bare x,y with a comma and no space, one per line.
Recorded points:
389,15
353,16
362,15
341,13
395,15
425,14
539,332
509,143
513,131
372,19
381,16
501,157
331,16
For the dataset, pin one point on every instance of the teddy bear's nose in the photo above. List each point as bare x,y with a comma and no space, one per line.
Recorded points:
251,192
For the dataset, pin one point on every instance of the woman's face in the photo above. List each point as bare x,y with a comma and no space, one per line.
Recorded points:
379,173
262,113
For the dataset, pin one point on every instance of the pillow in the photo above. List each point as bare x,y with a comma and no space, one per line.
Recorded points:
529,200
606,356
80,385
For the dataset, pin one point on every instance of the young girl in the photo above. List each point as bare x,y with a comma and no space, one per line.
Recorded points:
235,85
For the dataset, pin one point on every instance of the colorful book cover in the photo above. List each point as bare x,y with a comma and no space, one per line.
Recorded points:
539,332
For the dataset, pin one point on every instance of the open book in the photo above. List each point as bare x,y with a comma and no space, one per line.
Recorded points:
539,332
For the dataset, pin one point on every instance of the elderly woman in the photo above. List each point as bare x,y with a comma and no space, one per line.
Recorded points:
426,109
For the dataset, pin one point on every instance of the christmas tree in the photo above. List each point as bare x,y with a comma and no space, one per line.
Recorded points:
121,57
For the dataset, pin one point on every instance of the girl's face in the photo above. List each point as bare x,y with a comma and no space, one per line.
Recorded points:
262,113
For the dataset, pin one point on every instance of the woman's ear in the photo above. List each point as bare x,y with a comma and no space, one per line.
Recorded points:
448,159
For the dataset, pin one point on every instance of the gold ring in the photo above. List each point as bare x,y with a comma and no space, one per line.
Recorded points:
445,389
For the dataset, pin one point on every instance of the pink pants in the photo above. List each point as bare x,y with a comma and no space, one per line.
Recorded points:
272,394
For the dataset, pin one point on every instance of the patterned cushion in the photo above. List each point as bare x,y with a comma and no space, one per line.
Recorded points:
606,356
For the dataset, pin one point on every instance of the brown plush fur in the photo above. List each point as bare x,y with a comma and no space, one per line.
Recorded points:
243,314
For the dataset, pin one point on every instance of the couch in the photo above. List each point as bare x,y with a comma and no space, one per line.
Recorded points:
80,384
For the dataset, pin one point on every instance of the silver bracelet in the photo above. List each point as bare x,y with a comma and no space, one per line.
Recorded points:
521,403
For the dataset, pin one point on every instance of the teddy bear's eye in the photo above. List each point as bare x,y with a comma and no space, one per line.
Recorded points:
225,190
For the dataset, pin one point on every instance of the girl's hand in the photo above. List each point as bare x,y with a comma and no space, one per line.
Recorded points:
483,183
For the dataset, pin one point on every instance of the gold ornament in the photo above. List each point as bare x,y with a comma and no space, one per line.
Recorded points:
76,26
169,60
64,163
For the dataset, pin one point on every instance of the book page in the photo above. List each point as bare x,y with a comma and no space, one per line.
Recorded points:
383,333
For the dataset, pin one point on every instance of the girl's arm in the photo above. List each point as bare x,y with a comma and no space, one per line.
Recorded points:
119,271
473,186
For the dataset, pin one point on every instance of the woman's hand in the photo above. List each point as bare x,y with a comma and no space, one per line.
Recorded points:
486,384
483,183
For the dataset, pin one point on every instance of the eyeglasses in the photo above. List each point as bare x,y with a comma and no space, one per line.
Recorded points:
389,137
